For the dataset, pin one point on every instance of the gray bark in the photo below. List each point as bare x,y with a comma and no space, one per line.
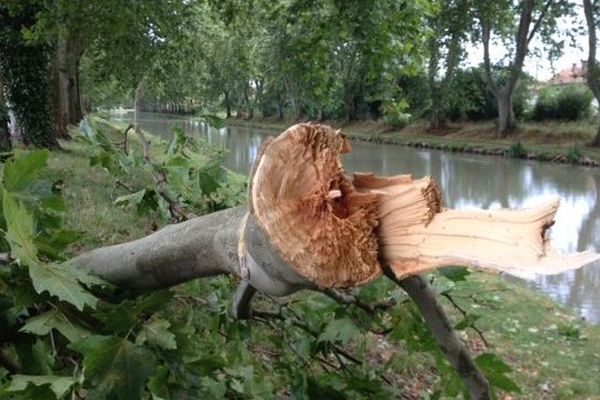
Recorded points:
424,296
137,104
198,248
524,35
211,245
506,116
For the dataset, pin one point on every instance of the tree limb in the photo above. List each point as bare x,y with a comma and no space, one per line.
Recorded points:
455,351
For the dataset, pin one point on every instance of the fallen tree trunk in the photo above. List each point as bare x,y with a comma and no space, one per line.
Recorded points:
309,227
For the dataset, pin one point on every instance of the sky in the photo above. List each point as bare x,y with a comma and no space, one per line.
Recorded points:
538,66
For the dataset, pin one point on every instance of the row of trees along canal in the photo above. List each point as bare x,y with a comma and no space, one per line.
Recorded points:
334,60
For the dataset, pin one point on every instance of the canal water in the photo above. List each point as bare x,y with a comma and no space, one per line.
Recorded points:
467,182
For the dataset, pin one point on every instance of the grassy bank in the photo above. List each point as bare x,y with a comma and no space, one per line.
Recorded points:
564,142
554,355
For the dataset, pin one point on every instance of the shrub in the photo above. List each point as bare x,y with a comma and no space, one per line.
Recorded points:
574,102
517,150
574,155
470,99
568,103
395,114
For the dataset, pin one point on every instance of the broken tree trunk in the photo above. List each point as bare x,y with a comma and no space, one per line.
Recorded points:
308,226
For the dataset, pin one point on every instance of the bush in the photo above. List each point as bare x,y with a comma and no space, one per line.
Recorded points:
574,155
395,114
517,150
470,99
569,103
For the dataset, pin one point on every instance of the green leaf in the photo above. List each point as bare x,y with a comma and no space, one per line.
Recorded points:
130,199
19,229
60,385
115,367
495,370
455,274
156,332
158,384
61,282
43,323
121,317
23,169
339,330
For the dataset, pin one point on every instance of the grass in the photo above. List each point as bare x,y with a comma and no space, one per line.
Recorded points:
547,141
554,354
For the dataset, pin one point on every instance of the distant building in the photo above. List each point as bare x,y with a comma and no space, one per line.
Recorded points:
568,76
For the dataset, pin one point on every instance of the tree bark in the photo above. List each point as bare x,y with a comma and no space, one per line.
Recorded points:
593,72
506,118
227,105
5,143
62,112
139,94
424,296
524,35
211,245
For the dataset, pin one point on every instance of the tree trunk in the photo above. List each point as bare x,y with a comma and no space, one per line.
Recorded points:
524,35
506,117
596,140
227,105
280,105
593,72
27,76
5,143
139,94
62,114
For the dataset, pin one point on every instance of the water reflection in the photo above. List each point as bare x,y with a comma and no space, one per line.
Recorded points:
467,181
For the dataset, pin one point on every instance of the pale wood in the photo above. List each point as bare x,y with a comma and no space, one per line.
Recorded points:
417,235
312,215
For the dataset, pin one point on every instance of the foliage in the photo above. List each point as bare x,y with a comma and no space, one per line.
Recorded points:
470,99
517,150
574,155
25,69
192,169
395,114
564,103
68,332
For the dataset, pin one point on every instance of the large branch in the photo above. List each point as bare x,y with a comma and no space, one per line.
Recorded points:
309,227
197,248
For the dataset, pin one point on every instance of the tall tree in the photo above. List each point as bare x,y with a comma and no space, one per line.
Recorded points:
449,22
497,18
25,66
592,10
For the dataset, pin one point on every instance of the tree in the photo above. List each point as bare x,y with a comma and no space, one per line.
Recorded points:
496,17
26,74
449,23
592,10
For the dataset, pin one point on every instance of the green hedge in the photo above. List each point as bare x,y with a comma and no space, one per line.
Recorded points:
563,103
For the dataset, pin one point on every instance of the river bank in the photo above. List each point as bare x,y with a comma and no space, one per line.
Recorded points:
559,142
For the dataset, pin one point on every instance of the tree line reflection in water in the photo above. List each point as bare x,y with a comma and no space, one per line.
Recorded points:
467,182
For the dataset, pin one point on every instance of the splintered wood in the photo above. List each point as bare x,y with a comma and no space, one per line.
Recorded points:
417,235
337,233
313,216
